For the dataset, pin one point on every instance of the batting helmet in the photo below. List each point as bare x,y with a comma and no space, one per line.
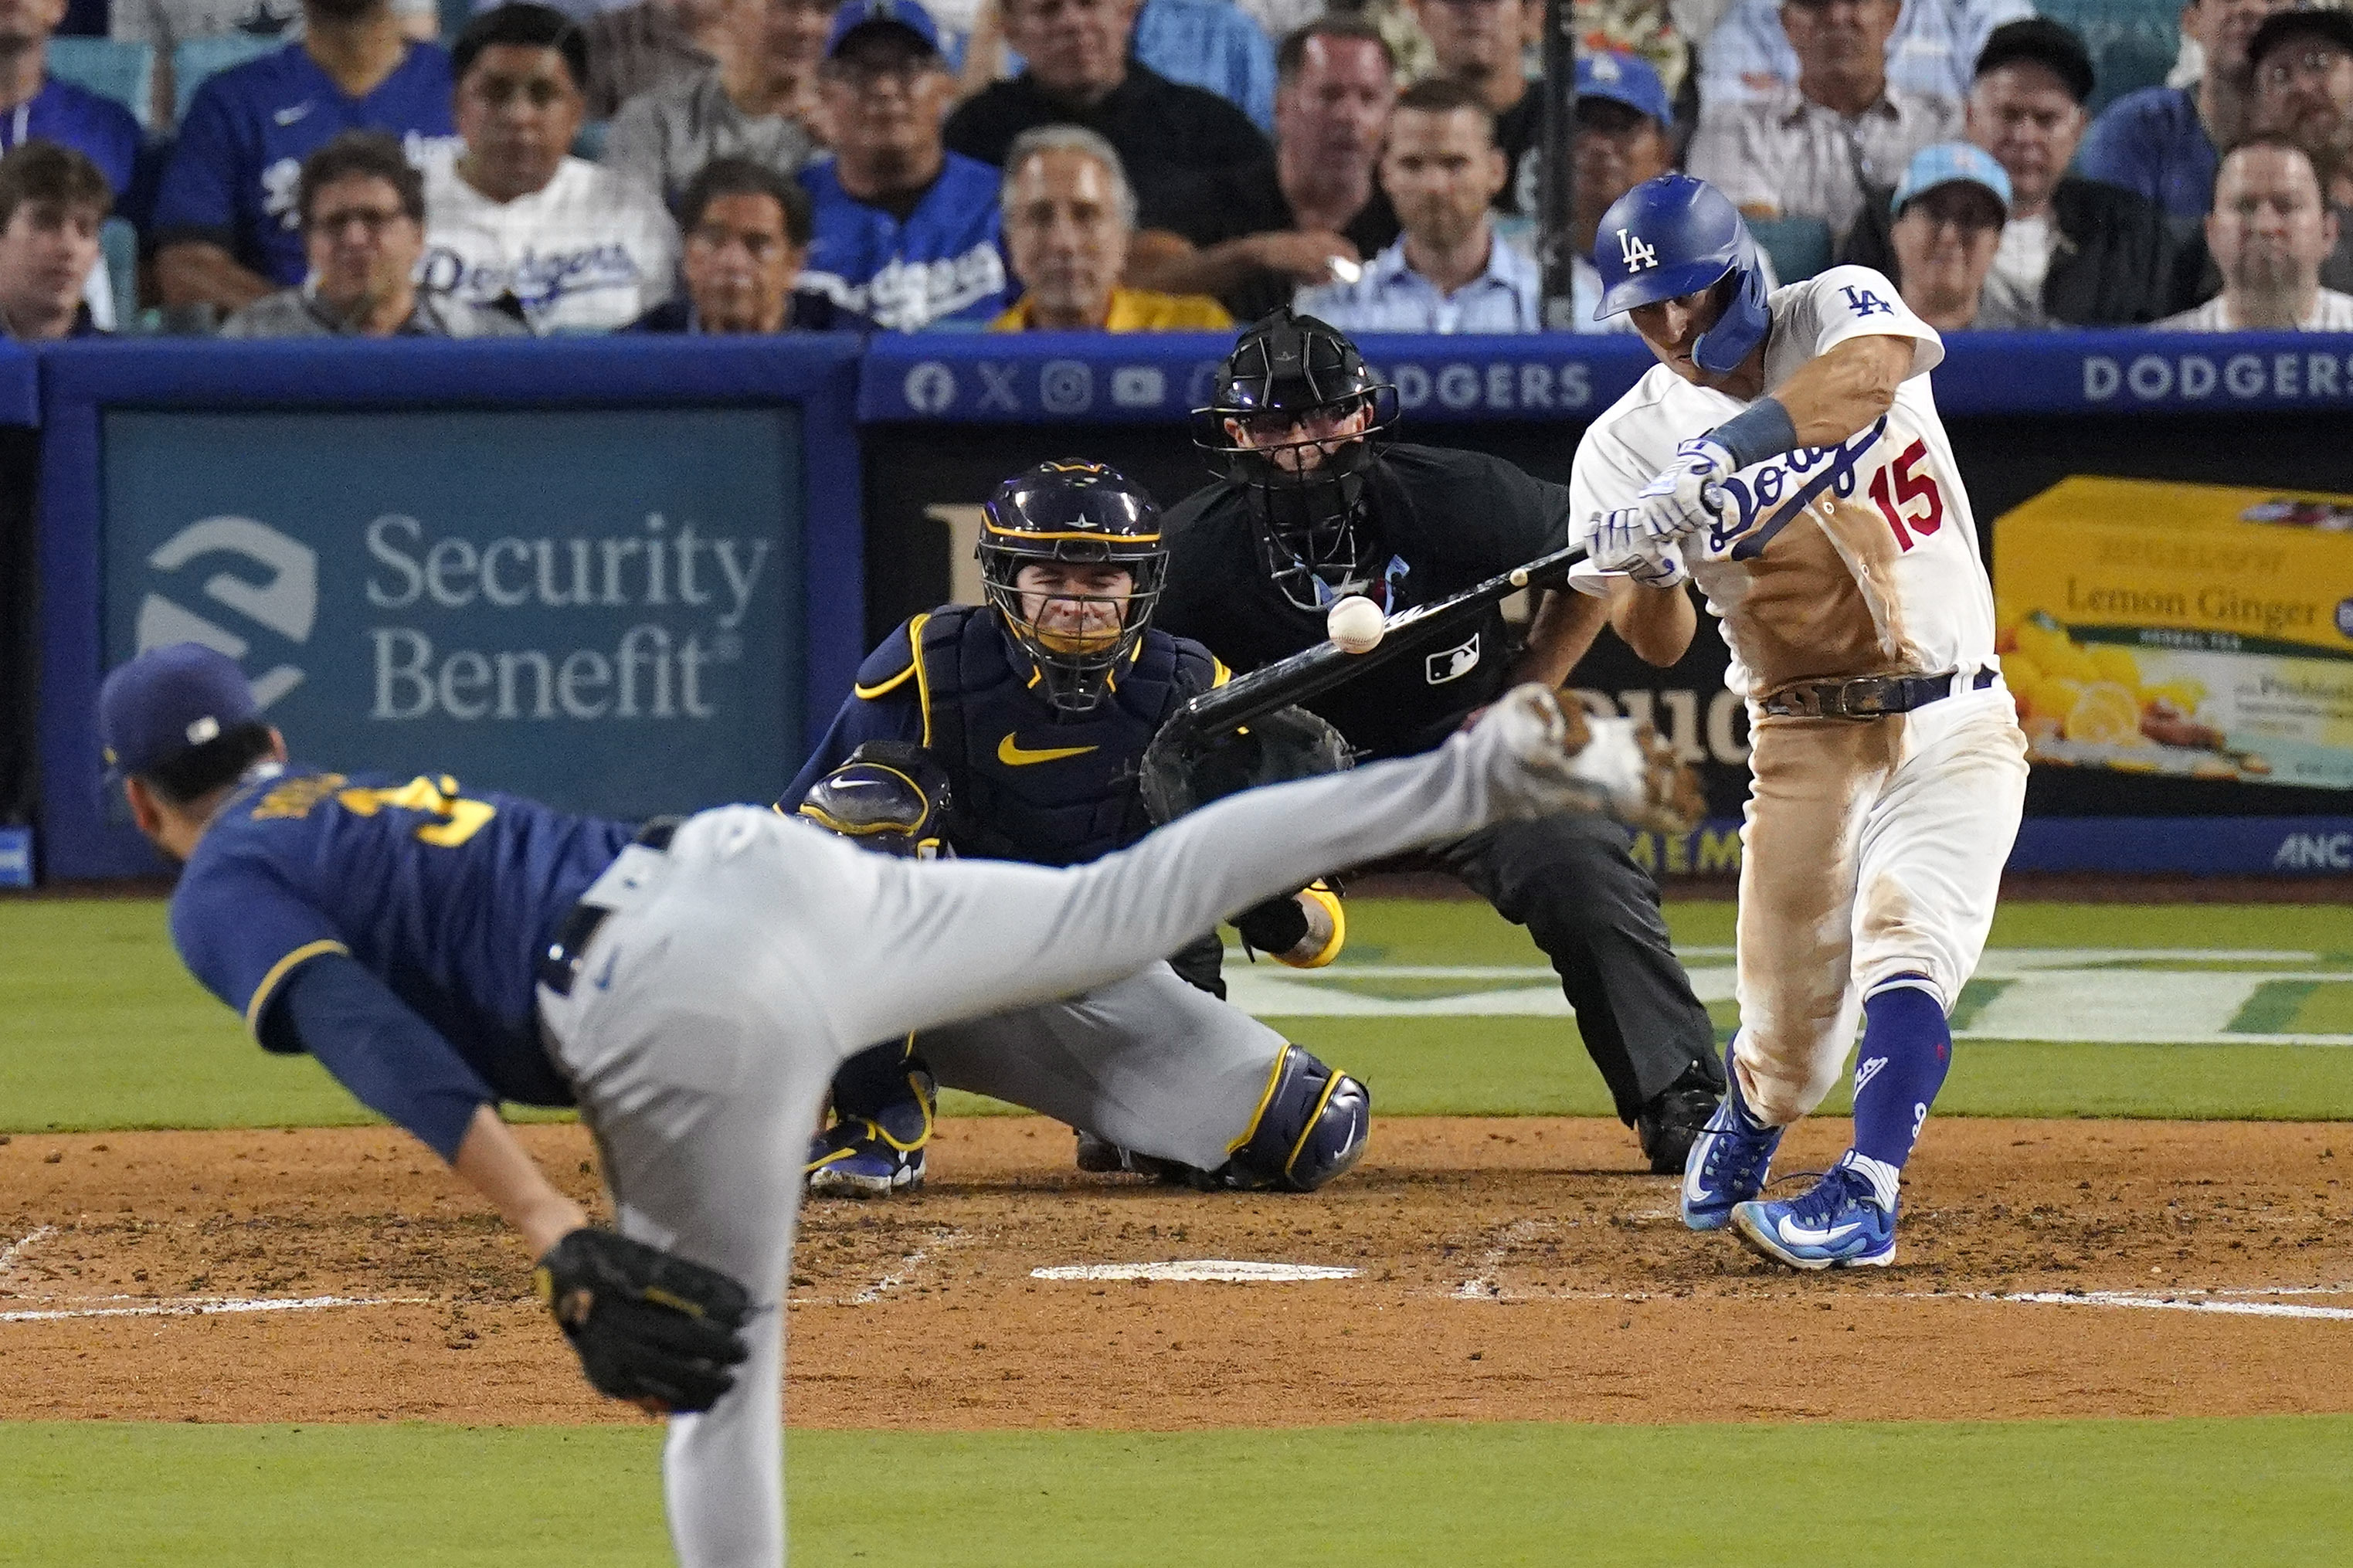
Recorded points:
1675,236
1077,513
890,796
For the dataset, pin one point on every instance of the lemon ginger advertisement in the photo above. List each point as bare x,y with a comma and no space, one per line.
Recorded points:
2197,631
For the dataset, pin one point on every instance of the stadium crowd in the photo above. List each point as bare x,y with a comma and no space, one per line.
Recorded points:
326,167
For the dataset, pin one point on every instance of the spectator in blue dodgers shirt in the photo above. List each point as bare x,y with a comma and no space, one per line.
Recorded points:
2269,232
1833,141
1448,271
52,200
908,233
164,25
515,217
1933,49
2160,142
747,235
37,106
1080,69
361,205
225,229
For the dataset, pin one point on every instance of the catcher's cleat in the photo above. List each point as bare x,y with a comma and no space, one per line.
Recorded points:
1667,1124
1102,1157
853,1160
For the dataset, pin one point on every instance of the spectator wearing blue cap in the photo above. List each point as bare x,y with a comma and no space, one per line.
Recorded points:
1450,271
1949,212
908,233
1625,135
2074,252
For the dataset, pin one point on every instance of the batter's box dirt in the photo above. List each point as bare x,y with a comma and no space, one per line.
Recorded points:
1502,1270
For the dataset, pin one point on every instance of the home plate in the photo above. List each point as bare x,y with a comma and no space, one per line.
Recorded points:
1227,1270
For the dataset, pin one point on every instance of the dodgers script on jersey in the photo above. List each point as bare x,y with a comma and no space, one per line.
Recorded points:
1858,558
239,155
589,251
943,263
448,899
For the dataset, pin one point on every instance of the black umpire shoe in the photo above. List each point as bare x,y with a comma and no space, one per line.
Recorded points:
1666,1126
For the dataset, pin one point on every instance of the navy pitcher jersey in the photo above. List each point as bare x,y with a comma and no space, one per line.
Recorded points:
448,899
232,176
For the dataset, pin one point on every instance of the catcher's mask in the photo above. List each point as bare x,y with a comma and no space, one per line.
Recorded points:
1274,748
1073,514
890,798
1297,419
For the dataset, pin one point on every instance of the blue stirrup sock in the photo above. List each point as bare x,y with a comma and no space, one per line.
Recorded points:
1908,1048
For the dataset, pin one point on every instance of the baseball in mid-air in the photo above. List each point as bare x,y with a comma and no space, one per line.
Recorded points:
1356,624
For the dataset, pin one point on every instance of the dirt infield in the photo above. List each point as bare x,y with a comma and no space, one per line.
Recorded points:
1506,1269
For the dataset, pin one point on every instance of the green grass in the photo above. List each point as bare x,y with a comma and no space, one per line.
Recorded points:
2068,1494
99,1028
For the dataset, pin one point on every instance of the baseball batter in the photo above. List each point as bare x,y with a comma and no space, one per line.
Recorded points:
1786,455
691,987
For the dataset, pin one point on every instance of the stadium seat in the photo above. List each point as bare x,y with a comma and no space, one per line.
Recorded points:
124,73
1800,247
119,243
2133,43
197,60
590,143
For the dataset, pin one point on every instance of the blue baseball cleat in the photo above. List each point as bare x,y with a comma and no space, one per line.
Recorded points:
1839,1224
1727,1163
853,1160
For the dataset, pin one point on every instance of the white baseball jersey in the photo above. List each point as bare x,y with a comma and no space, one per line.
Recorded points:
1858,558
589,251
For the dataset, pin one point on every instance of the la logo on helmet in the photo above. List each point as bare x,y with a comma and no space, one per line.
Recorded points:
1633,254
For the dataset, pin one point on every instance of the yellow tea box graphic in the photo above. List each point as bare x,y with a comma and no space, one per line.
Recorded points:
2199,630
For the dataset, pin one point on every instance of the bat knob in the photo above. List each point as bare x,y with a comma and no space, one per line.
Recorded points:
1519,577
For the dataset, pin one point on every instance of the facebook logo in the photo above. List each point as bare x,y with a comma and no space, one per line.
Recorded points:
1863,302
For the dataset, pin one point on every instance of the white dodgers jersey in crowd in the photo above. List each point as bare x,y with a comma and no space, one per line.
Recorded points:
1858,558
587,252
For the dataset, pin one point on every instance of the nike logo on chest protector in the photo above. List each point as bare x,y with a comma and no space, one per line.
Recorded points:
1013,756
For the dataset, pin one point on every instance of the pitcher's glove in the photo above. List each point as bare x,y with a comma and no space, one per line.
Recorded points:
650,1327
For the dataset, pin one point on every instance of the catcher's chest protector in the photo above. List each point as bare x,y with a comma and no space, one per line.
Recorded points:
1031,782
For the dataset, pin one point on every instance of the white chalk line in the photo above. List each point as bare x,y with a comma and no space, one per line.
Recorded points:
15,1249
2175,1303
199,1307
1481,1286
908,1266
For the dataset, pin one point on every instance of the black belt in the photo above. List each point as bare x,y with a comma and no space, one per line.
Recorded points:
1867,697
560,964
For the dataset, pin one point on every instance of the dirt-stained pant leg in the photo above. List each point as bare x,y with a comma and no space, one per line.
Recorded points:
1149,1062
1934,842
1814,782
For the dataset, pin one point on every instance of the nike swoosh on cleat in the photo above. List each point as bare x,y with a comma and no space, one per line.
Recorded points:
1799,1236
288,116
1013,756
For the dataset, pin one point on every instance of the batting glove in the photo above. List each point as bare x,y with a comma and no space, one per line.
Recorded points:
1688,495
1616,546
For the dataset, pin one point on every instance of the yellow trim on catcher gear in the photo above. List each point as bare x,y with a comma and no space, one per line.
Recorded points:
1264,1100
1096,534
1218,673
1330,901
1013,756
1314,1116
896,681
278,971
922,682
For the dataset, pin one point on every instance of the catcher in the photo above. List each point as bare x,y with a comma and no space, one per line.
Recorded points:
1014,730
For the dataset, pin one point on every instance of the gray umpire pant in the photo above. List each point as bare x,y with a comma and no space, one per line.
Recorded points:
740,968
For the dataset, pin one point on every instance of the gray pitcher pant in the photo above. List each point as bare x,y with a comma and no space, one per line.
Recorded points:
737,970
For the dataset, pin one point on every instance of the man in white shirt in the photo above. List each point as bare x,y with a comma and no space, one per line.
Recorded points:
1789,450
582,250
1816,148
1448,272
2269,233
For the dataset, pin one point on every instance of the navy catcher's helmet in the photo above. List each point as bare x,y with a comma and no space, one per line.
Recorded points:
1084,514
890,798
1674,235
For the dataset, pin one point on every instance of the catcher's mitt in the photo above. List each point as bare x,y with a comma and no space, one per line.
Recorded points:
1184,774
650,1327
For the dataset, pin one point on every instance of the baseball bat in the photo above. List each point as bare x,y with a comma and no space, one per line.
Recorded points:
1315,671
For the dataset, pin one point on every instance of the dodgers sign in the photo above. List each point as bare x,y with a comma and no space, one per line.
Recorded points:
600,609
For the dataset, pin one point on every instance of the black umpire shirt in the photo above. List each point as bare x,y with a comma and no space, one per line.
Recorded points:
1456,519
1209,209
1162,129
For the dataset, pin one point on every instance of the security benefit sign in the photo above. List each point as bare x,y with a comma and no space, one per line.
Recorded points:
601,609
2192,630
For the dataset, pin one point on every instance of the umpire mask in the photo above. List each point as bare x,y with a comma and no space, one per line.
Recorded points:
1074,516
1296,421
